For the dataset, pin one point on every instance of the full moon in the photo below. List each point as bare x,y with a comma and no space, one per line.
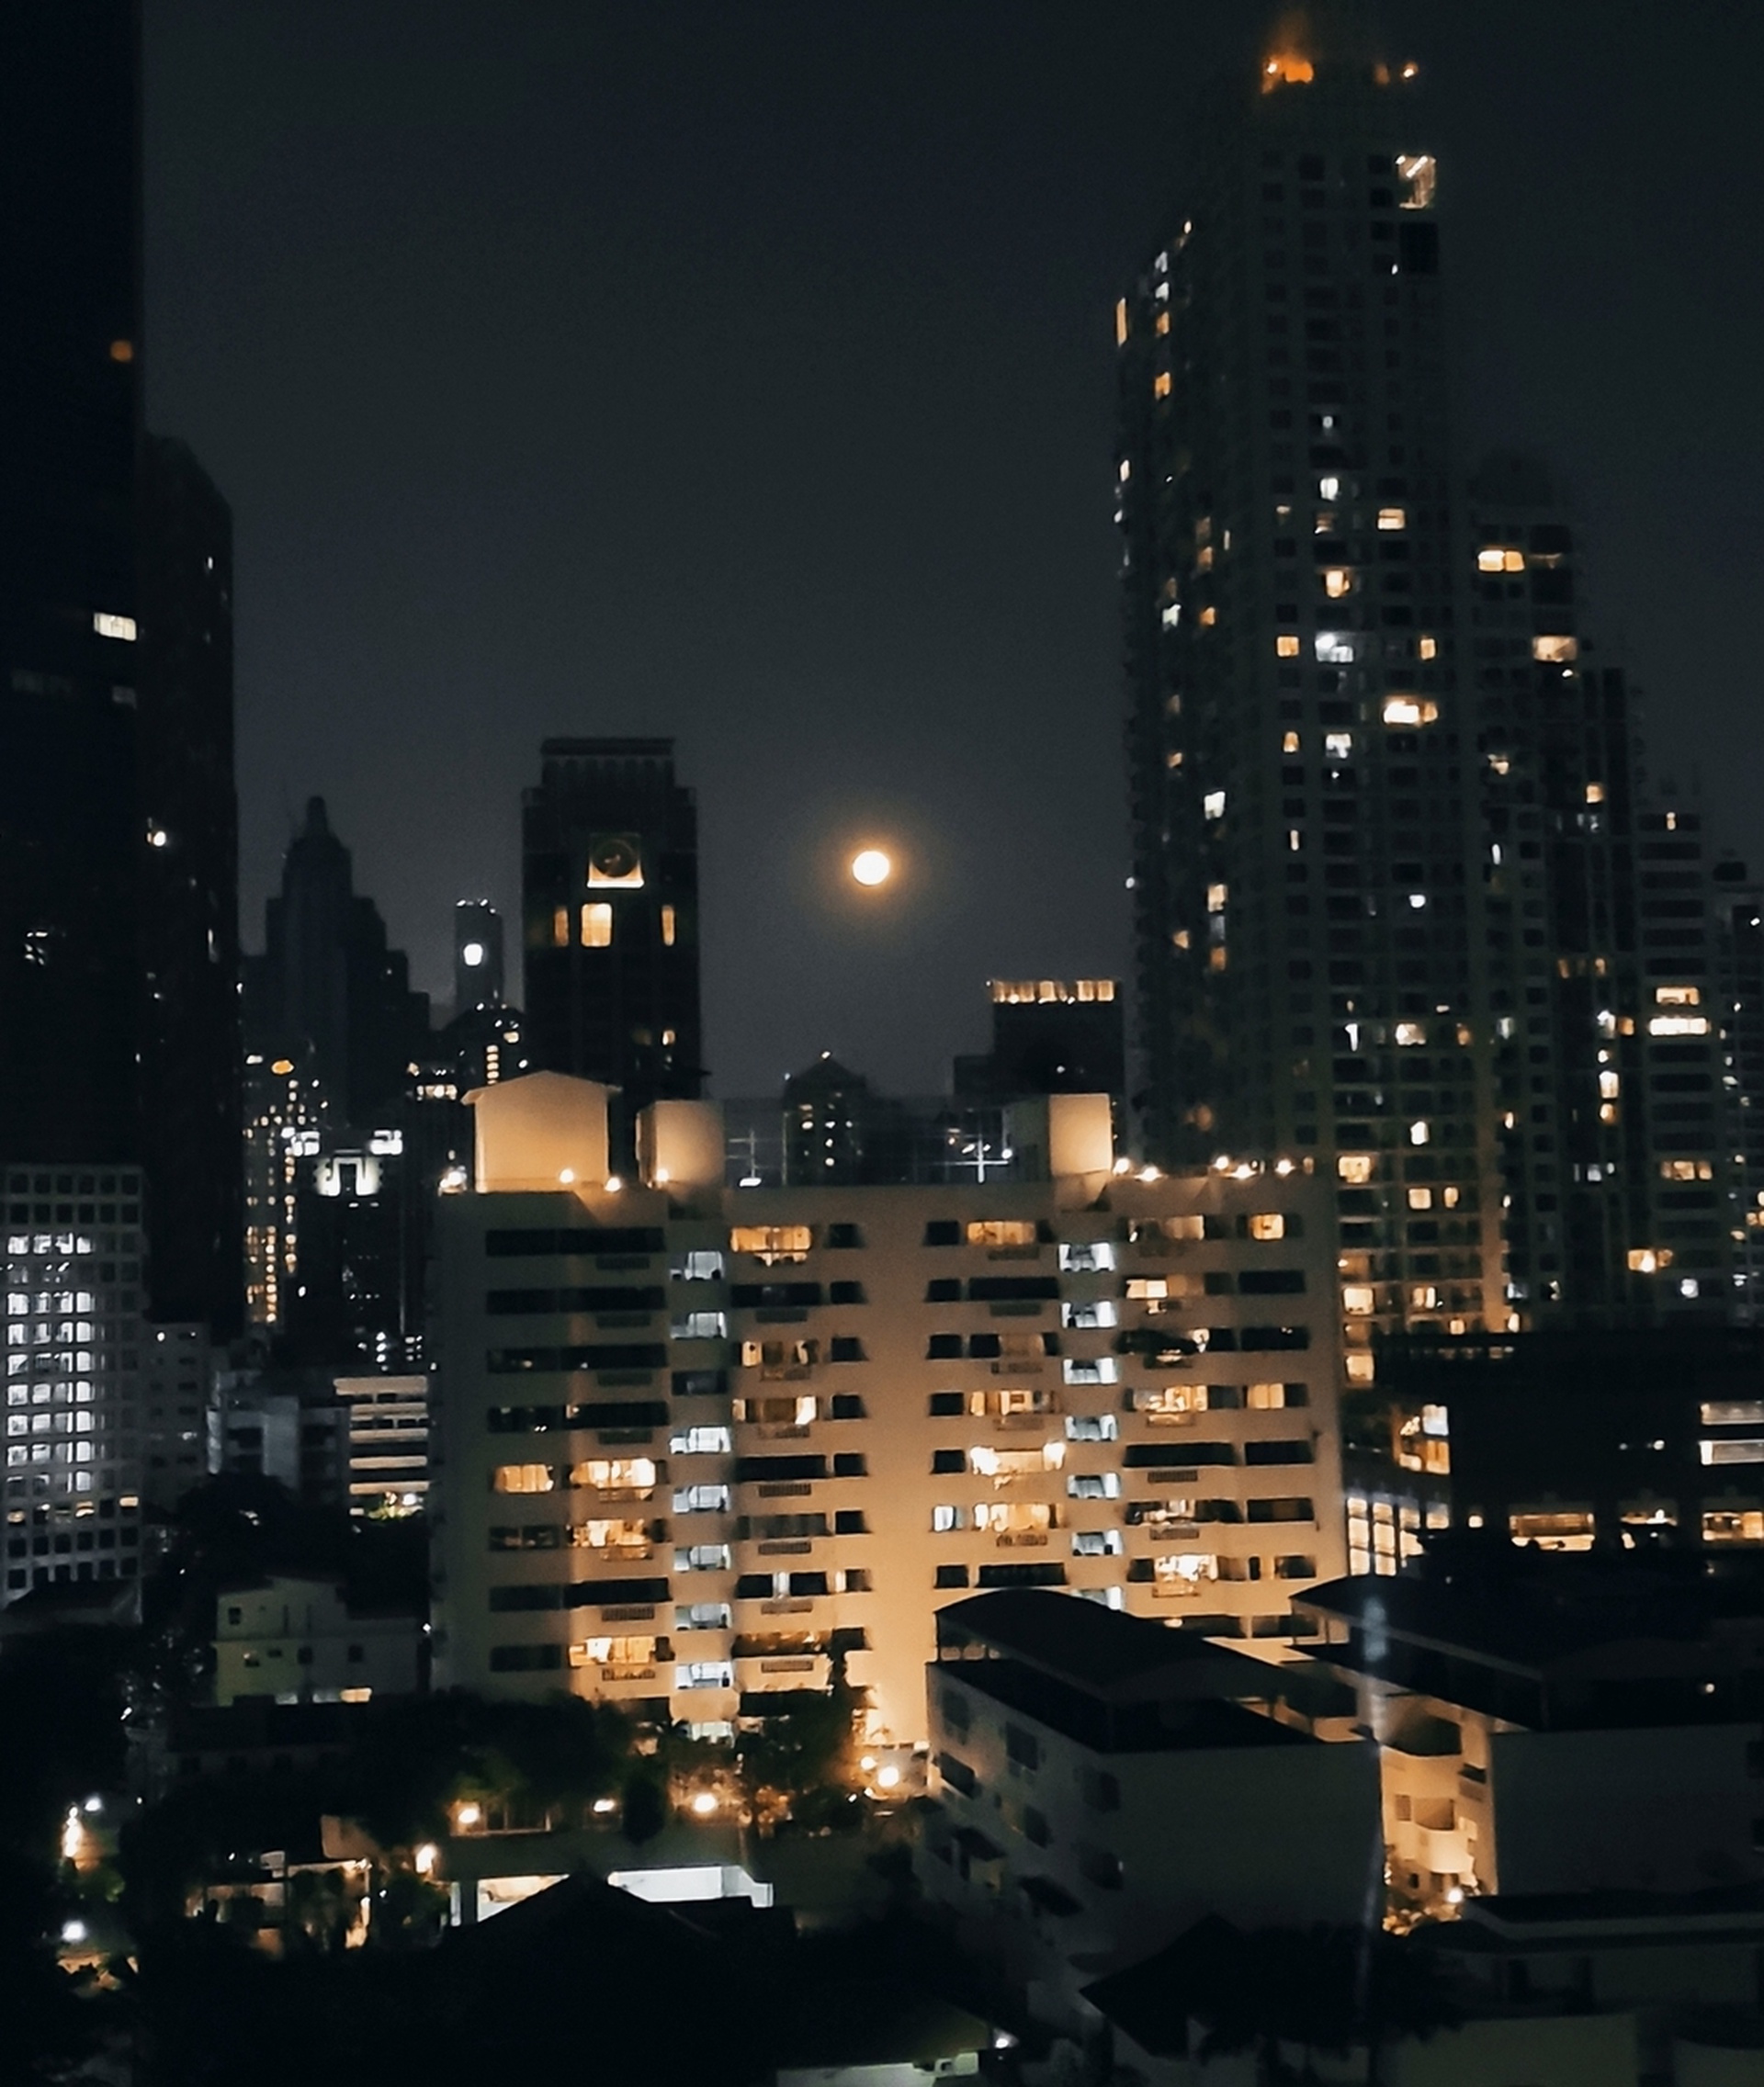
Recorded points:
871,866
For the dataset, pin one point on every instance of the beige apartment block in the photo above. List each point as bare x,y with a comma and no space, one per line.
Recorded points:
695,1445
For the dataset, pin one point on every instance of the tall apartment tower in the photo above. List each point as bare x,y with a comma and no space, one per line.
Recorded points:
192,1117
1307,880
610,878
70,422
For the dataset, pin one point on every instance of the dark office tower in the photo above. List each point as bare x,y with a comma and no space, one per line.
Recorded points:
1050,1036
328,986
1306,867
70,391
610,907
477,955
190,1063
1740,947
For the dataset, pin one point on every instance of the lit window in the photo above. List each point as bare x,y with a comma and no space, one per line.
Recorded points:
1393,518
1420,1133
1328,488
1595,792
1338,745
1287,645
1411,1033
522,1478
1687,1170
1677,1025
1121,336
597,925
1649,1260
1733,1451
1355,1167
1556,650
1213,803
1406,711
1358,1300
1610,1086
1733,1413
667,926
1419,174
1420,1198
1336,647
1429,647
1215,899
1337,581
1267,1224
1160,385
1289,743
615,1474
1000,1231
1287,69
1678,996
1494,559
771,1243
115,627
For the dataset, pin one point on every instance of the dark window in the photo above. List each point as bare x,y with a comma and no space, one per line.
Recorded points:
851,1463
957,1774
1270,1282
847,1406
1023,1747
850,1521
1418,250
700,1383
952,1460
942,1232
1023,1576
944,1348
749,1468
951,1576
1290,1452
846,1294
846,1347
944,1289
844,1236
947,1405
505,1599
524,1659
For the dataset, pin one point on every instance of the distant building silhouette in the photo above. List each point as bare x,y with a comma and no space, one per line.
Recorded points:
1049,1037
328,983
477,979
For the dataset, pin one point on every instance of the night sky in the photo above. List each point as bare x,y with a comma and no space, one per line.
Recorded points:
741,369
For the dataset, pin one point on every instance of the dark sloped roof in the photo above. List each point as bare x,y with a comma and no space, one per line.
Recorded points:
1103,1651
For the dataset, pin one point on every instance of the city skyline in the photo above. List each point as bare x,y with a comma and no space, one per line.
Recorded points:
954,295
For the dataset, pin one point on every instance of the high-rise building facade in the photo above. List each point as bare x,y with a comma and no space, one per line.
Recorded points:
1405,901
609,879
192,1112
75,1339
71,842
1307,878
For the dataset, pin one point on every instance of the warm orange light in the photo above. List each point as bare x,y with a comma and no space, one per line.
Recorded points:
122,351
871,867
1286,68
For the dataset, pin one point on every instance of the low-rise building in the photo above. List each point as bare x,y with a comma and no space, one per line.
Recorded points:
695,1444
298,1640
387,1424
1102,1784
1557,1724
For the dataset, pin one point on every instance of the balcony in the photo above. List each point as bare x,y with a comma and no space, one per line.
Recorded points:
1021,1540
628,1674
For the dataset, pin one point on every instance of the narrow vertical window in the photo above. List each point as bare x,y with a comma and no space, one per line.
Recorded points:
561,928
667,926
597,925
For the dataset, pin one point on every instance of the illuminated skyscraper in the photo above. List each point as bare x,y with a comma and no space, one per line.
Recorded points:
609,876
1306,874
1403,904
